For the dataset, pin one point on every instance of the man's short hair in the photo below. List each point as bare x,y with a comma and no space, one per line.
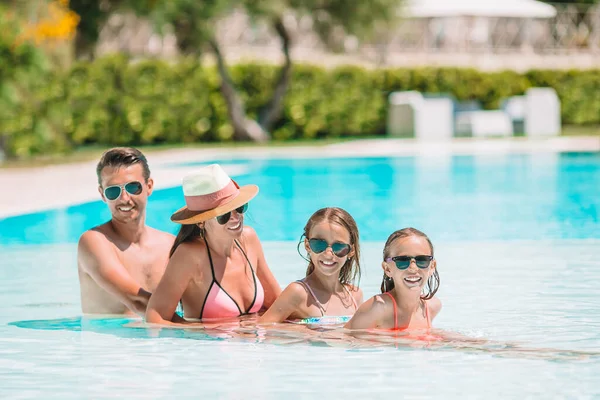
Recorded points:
122,157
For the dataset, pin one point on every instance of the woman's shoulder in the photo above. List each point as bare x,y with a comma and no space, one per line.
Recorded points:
249,232
190,251
249,237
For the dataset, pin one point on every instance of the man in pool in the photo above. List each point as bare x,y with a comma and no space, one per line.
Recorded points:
121,261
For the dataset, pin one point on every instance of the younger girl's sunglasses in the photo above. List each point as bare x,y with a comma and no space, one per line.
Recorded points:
403,262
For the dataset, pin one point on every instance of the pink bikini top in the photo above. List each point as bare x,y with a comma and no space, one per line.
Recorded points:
219,304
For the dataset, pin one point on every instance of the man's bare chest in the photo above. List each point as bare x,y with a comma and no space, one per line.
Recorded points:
144,265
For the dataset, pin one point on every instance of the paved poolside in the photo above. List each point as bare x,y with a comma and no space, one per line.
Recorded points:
33,189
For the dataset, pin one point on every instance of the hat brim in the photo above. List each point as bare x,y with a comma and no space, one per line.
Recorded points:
185,216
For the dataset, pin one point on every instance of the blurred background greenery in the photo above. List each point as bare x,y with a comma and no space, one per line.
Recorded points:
56,96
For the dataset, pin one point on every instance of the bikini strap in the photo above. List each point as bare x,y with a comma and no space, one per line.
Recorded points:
395,310
306,286
212,268
253,275
247,259
427,314
351,297
214,280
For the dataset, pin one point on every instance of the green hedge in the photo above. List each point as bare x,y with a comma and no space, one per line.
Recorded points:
114,102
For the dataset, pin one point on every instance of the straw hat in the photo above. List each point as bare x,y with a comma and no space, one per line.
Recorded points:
210,192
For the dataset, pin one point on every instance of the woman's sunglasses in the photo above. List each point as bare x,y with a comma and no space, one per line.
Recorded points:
320,245
222,219
403,262
114,192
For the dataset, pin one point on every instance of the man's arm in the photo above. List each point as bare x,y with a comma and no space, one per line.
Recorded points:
97,258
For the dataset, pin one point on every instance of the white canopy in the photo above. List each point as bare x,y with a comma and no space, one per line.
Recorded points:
477,8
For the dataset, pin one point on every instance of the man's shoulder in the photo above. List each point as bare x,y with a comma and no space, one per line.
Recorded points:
161,234
161,237
100,233
94,245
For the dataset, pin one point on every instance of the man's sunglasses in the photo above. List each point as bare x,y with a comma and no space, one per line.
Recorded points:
222,219
320,245
403,262
114,192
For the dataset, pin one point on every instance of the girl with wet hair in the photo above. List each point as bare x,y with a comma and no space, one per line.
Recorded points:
327,294
410,282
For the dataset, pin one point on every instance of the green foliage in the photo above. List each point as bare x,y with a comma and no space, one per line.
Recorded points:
572,1
30,118
93,14
114,101
579,93
193,22
364,19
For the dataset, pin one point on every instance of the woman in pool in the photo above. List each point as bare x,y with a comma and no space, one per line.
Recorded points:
410,281
331,240
217,268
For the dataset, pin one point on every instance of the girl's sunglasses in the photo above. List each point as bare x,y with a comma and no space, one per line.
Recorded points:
320,245
114,192
222,219
403,262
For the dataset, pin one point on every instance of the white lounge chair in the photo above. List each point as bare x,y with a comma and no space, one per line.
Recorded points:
410,114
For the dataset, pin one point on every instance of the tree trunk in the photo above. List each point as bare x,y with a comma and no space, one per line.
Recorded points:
243,127
84,49
3,144
273,110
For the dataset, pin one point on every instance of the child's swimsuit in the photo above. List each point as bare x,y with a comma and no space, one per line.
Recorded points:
396,312
325,319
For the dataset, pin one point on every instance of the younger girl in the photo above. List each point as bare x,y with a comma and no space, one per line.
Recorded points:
331,240
410,282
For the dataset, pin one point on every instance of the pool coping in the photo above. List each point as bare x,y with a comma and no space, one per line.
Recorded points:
29,190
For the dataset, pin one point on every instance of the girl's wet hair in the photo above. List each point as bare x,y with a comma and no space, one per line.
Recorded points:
433,283
350,271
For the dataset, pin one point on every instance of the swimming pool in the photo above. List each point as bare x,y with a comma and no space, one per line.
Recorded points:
516,241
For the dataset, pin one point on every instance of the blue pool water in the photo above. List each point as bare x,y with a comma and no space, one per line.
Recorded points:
516,239
488,197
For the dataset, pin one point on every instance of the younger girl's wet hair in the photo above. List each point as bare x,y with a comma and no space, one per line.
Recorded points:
433,283
350,271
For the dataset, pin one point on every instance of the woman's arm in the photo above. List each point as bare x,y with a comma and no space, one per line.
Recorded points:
285,305
369,315
266,277
163,302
